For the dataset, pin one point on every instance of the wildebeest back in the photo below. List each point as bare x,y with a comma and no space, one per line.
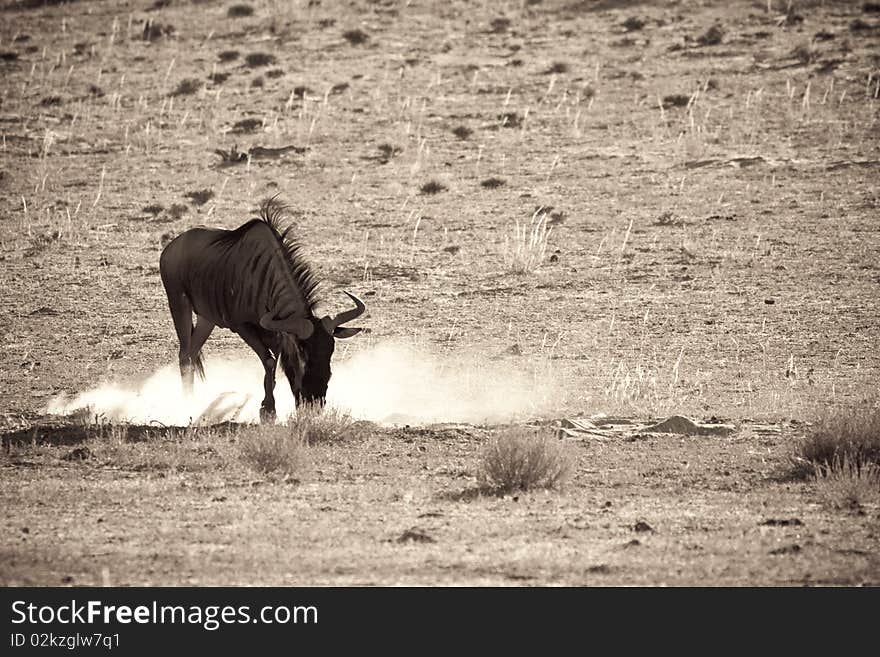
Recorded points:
233,276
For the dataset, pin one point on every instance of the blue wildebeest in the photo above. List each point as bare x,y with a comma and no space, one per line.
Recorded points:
254,281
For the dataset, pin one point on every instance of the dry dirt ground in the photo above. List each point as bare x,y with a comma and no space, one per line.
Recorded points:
709,170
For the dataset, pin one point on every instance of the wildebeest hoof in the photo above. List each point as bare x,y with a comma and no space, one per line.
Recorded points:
267,415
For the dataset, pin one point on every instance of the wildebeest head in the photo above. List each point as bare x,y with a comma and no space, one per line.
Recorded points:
315,340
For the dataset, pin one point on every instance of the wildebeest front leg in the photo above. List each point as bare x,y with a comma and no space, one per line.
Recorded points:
252,337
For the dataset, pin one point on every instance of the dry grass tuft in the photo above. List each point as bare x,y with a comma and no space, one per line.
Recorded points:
274,449
163,450
844,485
283,450
316,425
525,252
851,436
521,459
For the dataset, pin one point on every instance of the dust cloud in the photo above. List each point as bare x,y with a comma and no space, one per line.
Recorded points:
387,383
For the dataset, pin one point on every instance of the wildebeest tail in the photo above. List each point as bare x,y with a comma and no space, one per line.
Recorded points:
199,365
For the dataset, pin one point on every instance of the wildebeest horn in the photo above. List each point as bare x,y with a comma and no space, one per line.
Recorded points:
348,315
300,327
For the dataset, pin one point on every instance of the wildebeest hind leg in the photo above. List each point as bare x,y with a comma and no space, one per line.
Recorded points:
181,313
252,337
200,334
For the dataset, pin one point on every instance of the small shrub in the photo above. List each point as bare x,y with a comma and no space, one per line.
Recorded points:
462,132
851,436
246,125
240,11
510,120
675,100
499,25
558,68
315,424
187,87
228,56
520,459
711,37
273,449
218,78
231,156
386,152
492,183
355,37
803,53
153,30
844,484
633,23
432,187
200,196
257,59
177,210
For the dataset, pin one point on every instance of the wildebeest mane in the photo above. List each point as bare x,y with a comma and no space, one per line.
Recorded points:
273,212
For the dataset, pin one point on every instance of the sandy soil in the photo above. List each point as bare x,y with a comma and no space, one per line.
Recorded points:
709,171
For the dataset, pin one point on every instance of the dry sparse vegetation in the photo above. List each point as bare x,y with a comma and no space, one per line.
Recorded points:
524,252
844,484
318,425
713,252
274,449
850,436
522,459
